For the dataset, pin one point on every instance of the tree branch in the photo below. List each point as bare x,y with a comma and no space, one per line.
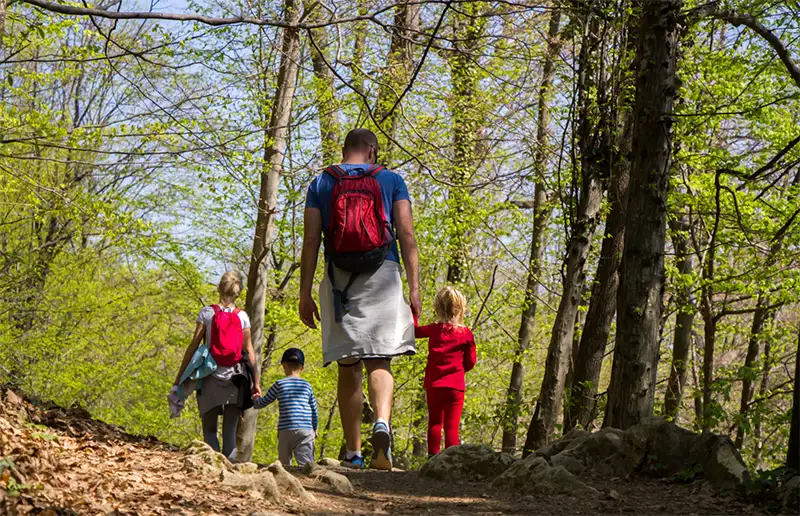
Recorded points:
208,20
711,10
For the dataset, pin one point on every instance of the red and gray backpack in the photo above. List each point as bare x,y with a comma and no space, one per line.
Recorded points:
358,237
226,337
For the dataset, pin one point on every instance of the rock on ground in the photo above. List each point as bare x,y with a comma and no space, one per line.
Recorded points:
655,447
340,483
467,462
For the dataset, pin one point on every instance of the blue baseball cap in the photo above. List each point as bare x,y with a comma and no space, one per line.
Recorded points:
293,355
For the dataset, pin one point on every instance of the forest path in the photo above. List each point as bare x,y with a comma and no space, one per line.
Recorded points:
61,462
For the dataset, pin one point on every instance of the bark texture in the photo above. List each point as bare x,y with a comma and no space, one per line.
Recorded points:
682,341
639,301
602,305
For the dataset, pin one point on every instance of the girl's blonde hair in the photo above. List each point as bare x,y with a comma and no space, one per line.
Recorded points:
230,285
450,306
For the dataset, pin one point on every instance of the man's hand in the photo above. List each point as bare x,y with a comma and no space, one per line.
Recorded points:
416,303
308,311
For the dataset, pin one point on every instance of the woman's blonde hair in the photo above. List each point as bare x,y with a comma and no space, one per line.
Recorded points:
450,306
230,285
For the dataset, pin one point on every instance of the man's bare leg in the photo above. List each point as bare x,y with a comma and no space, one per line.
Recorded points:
350,402
381,391
381,387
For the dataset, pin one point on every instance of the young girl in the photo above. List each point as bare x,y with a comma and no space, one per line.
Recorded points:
451,353
219,394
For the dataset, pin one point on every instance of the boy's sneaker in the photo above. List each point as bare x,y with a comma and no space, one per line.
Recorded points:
356,462
382,447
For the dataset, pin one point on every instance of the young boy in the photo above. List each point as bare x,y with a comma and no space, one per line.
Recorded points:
297,424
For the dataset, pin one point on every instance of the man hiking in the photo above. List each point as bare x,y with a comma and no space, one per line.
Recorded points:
362,210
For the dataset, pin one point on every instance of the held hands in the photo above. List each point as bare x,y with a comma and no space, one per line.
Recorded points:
415,302
308,311
256,392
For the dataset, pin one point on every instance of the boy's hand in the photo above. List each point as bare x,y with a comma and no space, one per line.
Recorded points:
316,433
257,392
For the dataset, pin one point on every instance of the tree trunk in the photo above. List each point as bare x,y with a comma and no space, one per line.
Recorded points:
793,452
709,345
541,427
763,391
324,89
468,123
760,319
602,305
640,296
569,380
682,341
399,66
697,396
590,197
540,216
274,150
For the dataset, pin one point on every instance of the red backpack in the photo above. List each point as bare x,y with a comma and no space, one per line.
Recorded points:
226,336
358,237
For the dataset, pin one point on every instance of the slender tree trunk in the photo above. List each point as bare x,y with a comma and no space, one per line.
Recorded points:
540,216
275,148
709,346
761,317
698,393
569,380
602,305
682,341
763,391
548,404
793,451
640,297
399,66
465,106
324,89
327,429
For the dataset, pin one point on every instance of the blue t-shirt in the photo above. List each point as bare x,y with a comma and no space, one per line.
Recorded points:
393,189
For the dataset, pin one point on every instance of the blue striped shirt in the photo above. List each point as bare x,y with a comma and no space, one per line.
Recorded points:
296,403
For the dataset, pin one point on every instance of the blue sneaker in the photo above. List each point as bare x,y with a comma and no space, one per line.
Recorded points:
357,462
382,447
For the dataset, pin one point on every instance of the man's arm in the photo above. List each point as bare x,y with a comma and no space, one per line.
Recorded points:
404,221
312,231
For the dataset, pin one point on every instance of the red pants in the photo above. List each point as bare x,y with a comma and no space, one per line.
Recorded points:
444,409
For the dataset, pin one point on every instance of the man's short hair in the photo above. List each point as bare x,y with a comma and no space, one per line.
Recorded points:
360,140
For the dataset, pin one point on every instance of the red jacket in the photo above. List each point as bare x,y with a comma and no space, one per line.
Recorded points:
451,353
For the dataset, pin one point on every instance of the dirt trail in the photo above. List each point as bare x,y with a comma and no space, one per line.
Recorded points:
60,462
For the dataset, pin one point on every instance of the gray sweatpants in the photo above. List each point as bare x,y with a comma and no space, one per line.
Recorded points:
299,442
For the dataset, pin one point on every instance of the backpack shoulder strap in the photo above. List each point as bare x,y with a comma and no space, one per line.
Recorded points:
237,310
336,172
216,309
374,170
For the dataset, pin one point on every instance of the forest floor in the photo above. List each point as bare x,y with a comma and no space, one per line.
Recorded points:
61,462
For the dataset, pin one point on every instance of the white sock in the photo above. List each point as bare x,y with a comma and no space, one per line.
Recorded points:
349,454
381,420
